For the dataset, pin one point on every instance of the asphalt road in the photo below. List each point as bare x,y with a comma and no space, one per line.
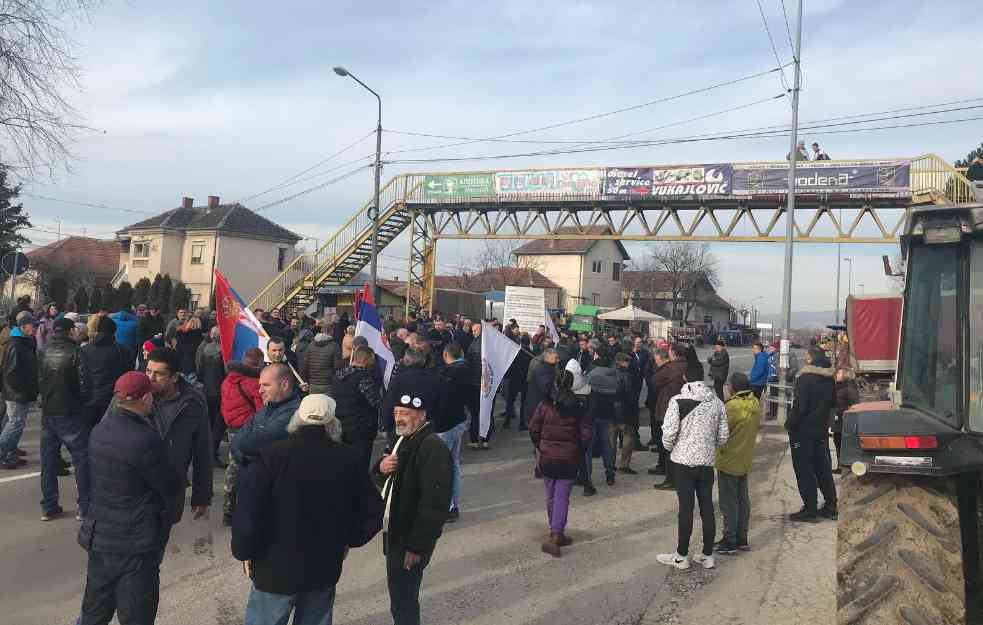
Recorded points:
487,569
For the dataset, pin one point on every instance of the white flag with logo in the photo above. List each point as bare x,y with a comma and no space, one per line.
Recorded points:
497,354
551,328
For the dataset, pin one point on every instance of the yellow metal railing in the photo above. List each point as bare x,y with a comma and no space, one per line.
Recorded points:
934,180
308,269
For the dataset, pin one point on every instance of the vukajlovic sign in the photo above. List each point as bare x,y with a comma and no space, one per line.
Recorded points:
694,180
891,177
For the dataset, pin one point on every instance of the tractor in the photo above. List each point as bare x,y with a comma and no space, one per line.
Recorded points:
911,511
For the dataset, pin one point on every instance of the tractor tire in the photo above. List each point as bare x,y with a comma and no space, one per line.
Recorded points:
899,553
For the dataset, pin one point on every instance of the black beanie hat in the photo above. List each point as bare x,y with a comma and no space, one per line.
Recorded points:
106,325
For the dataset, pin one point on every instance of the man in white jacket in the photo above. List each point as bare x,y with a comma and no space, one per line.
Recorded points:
695,426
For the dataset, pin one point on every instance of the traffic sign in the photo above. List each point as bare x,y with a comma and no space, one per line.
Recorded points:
458,185
15,263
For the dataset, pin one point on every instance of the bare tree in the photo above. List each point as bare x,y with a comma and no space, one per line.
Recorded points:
55,281
37,66
686,265
495,254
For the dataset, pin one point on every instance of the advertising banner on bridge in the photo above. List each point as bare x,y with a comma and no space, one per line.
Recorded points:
549,182
869,177
693,180
458,185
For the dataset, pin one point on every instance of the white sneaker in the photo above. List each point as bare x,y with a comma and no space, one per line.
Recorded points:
674,559
706,561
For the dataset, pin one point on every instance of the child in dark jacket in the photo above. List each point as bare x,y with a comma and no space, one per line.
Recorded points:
561,432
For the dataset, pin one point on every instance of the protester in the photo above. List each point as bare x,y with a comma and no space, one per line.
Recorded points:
269,425
807,426
317,365
452,421
668,382
719,363
46,324
240,400
358,398
518,386
540,378
303,503
278,351
758,376
180,318
695,426
211,374
473,357
734,460
561,432
638,369
187,337
129,519
62,422
126,329
847,394
603,381
624,423
151,324
416,476
20,387
181,416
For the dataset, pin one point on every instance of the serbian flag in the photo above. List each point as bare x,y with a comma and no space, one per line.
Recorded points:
370,326
238,327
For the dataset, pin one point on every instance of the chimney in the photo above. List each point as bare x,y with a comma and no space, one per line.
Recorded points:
187,202
212,201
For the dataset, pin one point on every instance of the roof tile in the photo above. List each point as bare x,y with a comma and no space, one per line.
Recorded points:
232,218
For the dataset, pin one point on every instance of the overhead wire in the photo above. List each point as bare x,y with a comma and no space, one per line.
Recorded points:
335,180
579,120
774,49
788,29
86,204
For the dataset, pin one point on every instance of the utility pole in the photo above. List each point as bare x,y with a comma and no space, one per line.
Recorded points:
790,222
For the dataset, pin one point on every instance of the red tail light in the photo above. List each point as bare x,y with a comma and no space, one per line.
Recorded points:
898,442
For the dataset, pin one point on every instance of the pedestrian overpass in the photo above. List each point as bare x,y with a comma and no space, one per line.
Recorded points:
859,201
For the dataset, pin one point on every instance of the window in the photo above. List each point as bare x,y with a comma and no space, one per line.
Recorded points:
595,298
677,314
141,249
281,258
616,272
596,266
930,360
197,251
194,301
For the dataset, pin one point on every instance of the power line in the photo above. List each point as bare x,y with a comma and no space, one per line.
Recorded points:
596,116
788,28
86,204
774,49
312,189
289,181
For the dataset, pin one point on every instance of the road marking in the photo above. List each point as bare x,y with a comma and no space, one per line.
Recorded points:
26,476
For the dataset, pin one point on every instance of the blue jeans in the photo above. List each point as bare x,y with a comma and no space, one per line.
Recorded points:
602,438
74,433
454,438
309,608
13,429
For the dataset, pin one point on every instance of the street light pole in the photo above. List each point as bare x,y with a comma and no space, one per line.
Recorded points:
849,280
790,216
374,210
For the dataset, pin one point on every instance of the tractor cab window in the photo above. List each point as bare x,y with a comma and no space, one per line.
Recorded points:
930,361
975,364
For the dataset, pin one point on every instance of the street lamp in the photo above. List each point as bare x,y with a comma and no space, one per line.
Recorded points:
374,210
754,312
861,285
849,276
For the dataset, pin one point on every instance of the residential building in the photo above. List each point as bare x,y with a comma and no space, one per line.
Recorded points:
588,270
189,241
697,303
498,279
65,265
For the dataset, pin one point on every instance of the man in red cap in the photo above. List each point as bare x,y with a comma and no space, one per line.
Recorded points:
128,524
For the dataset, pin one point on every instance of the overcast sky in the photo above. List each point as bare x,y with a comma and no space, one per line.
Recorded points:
229,99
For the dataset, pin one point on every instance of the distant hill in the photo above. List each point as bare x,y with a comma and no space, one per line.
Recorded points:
802,319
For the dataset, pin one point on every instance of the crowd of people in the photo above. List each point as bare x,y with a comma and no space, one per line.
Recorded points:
143,403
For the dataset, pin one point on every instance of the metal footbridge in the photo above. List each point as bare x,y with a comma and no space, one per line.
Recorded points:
858,201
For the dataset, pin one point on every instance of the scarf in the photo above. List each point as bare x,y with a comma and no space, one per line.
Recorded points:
389,488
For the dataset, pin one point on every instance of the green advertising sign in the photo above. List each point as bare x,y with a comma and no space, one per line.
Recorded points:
454,185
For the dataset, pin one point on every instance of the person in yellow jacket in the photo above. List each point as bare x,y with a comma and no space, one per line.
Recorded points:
733,464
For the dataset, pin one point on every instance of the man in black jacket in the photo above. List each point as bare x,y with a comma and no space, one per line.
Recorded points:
719,362
151,324
62,422
128,522
518,386
303,503
412,372
103,361
359,399
181,416
451,420
211,373
317,364
416,477
19,366
473,356
808,437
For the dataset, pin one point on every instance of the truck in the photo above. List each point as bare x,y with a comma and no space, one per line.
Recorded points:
910,505
874,328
